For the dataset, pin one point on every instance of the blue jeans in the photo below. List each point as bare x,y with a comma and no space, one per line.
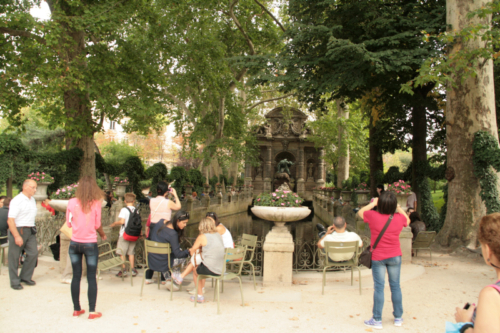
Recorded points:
76,251
393,267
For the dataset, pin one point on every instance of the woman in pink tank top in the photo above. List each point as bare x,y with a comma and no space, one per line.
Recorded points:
485,317
83,216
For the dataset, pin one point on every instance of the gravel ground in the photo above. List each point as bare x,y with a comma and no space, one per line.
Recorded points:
431,291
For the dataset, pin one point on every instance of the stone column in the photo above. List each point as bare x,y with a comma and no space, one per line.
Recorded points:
248,173
405,239
268,169
300,177
278,254
321,167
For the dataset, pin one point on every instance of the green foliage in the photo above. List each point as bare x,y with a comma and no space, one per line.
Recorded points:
157,172
443,69
197,179
134,170
486,158
116,153
346,185
278,199
214,180
427,209
180,175
444,207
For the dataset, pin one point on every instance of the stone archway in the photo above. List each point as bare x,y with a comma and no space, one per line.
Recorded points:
293,170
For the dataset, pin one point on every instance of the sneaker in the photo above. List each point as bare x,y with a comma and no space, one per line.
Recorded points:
373,323
120,274
201,299
398,322
134,272
149,281
66,281
176,287
193,291
320,227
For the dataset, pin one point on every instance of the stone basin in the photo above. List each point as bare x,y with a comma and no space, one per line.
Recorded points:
281,215
61,205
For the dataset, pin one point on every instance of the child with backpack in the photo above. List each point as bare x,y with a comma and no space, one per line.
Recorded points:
131,230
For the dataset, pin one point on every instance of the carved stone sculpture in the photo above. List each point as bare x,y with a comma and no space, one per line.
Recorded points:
283,166
310,170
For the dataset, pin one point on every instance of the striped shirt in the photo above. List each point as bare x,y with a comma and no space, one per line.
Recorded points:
23,210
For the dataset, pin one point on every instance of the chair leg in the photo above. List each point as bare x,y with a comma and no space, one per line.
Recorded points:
171,288
359,271
352,276
143,279
130,272
98,275
323,282
222,286
159,279
218,296
431,254
241,290
196,290
1,259
253,273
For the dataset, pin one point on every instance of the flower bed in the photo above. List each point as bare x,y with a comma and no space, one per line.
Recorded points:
66,192
361,187
41,177
121,181
279,199
399,187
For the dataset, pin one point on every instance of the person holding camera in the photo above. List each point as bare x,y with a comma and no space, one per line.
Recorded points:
387,254
484,318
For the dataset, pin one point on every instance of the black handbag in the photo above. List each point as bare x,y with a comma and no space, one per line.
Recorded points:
365,258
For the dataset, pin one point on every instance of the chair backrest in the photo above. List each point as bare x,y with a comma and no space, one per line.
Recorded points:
158,248
103,246
342,247
250,241
235,256
424,239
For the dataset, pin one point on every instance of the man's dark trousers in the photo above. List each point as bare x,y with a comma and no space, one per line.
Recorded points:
29,246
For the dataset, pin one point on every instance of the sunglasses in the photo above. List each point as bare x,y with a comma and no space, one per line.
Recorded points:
184,217
210,214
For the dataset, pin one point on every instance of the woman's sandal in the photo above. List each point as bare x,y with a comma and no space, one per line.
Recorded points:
200,299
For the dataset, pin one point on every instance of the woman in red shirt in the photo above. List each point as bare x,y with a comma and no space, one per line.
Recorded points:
387,254
83,215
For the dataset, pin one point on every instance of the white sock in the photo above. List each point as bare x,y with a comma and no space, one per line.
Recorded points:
200,296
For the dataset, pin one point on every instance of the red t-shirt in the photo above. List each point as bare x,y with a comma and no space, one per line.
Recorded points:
389,245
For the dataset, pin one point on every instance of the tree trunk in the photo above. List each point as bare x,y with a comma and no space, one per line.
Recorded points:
9,187
376,160
470,108
419,146
87,164
343,146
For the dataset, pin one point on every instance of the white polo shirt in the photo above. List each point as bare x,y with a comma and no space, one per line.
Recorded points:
345,236
23,210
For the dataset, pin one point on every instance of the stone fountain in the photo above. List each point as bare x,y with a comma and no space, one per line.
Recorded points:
278,245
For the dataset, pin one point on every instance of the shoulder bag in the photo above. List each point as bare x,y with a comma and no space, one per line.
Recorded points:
365,258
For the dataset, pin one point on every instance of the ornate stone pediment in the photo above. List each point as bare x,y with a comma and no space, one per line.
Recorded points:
277,125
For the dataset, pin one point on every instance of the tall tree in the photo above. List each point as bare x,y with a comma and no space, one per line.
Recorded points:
84,64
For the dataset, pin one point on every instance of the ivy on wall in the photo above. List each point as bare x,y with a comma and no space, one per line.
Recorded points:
486,157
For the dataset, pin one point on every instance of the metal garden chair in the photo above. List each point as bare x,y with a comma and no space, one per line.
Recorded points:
232,256
2,251
341,248
423,241
250,242
114,261
158,248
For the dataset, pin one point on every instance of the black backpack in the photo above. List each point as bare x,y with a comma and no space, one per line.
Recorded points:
134,225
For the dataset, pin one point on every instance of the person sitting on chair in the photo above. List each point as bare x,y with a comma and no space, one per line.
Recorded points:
416,224
337,233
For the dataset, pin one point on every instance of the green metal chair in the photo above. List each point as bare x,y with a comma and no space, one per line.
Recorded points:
423,241
235,256
2,252
114,261
250,242
158,248
340,248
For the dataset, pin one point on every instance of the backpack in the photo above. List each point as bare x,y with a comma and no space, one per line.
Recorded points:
134,226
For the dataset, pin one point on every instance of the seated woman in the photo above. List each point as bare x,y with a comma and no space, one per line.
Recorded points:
484,317
222,230
169,232
227,239
416,224
212,259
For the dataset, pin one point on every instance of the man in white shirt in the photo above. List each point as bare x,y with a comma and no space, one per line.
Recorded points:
22,236
337,233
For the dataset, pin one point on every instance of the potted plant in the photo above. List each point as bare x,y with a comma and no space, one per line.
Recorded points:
218,187
402,191
59,199
121,186
43,180
362,192
346,190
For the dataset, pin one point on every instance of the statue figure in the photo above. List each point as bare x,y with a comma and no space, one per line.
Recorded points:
283,166
310,171
284,187
259,171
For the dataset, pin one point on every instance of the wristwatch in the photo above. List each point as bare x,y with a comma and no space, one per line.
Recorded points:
466,327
